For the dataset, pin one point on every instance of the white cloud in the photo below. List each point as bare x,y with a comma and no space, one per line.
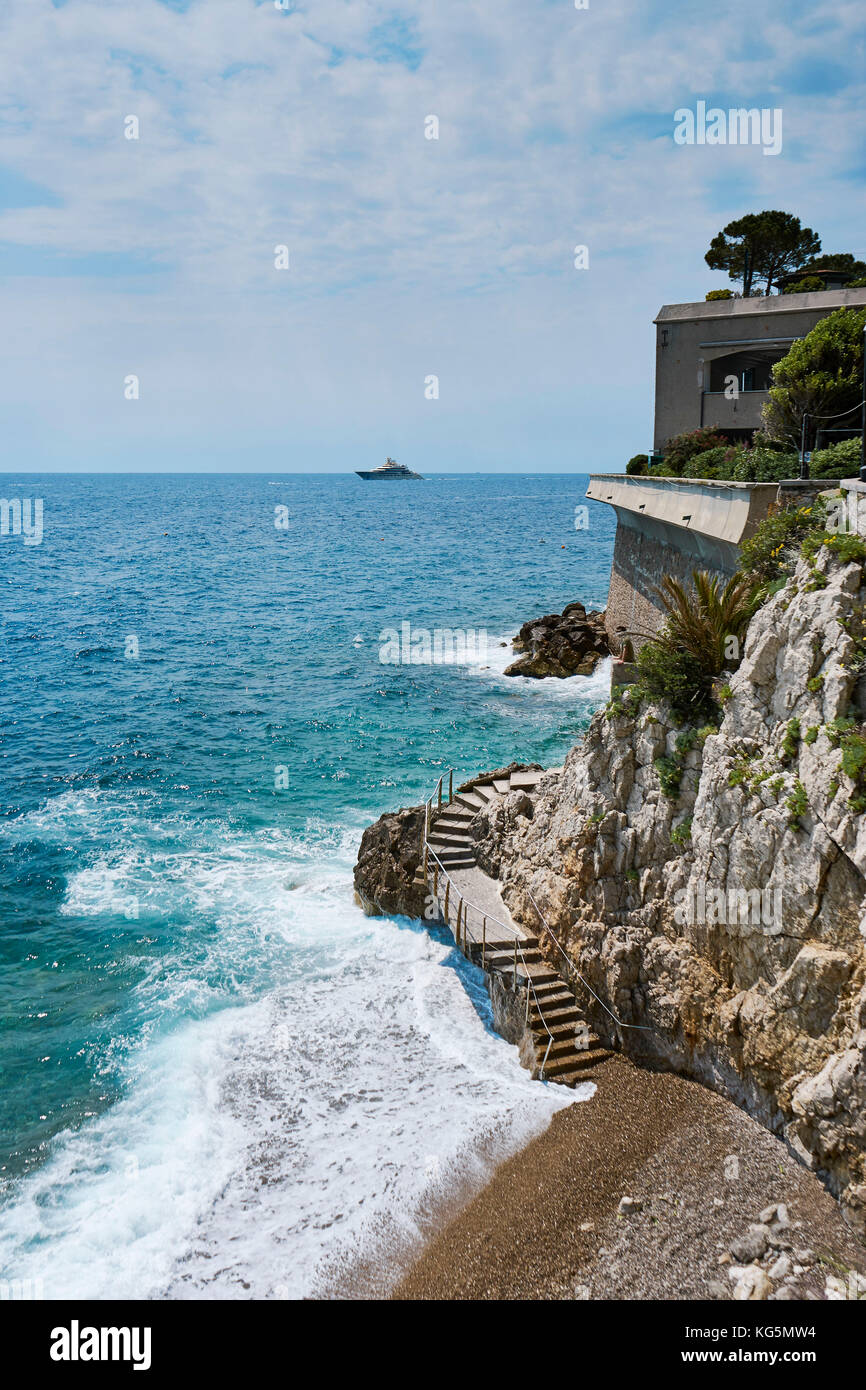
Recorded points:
408,256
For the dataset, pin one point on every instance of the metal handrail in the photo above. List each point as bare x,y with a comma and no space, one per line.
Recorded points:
644,1027
464,903
572,968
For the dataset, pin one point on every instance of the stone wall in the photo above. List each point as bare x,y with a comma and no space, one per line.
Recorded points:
674,526
640,560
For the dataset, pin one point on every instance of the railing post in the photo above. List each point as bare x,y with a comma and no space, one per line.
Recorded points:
447,886
426,865
440,794
436,880
450,785
514,981
483,943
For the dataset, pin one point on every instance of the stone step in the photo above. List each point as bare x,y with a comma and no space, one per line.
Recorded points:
565,1014
451,820
502,785
564,1039
470,800
581,1063
454,859
524,781
449,840
555,987
560,1048
559,1027
504,960
542,975
486,791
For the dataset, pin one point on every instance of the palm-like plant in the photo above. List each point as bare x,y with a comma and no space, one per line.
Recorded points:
701,621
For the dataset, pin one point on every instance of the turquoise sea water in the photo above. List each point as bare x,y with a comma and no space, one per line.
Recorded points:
218,1076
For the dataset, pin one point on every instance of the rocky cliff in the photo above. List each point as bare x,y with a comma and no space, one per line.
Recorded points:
709,884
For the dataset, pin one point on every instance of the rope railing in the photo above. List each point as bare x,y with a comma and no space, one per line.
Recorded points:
463,934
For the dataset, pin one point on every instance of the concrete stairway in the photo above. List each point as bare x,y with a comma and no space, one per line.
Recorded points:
449,835
563,1047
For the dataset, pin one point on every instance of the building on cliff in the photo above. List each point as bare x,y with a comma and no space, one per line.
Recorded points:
700,347
677,525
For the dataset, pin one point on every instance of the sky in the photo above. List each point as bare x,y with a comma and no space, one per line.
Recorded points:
264,125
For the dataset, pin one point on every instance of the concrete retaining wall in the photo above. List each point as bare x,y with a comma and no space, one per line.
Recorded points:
671,526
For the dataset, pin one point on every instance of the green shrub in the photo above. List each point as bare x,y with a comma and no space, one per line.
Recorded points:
797,804
822,374
719,294
638,463
739,774
809,282
670,773
682,833
853,746
762,464
705,731
837,728
670,674
812,733
682,661
719,462
772,552
791,740
841,460
684,447
813,685
846,547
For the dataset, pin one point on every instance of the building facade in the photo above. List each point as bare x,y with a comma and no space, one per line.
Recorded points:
713,359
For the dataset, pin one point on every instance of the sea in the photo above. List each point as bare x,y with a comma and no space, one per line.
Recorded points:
218,1077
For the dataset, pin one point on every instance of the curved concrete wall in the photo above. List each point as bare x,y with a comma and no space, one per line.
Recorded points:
671,526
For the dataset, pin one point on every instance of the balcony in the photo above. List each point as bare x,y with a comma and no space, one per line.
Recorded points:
741,413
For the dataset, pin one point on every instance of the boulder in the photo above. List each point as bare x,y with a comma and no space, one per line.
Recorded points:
388,858
570,643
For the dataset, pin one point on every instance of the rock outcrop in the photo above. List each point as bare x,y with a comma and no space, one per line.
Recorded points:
389,855
710,885
570,643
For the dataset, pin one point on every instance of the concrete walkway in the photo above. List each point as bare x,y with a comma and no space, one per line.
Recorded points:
470,902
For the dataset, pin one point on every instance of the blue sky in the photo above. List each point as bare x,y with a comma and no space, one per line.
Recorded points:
261,126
